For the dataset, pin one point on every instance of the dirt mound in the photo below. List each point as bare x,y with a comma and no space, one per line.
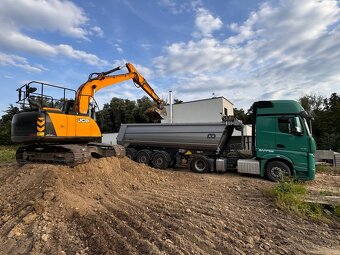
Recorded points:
116,206
42,204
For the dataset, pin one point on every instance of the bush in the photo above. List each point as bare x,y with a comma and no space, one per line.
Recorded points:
290,195
7,154
324,168
336,209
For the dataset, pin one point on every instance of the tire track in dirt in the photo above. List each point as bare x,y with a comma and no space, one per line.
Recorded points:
209,229
147,230
165,224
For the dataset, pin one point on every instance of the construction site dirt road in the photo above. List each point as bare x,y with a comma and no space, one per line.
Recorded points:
116,206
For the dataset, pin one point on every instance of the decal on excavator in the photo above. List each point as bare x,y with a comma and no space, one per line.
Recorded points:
83,120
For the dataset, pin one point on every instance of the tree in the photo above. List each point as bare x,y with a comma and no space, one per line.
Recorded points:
312,103
143,104
5,125
326,119
245,117
123,111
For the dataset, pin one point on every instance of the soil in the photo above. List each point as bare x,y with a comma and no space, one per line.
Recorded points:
116,206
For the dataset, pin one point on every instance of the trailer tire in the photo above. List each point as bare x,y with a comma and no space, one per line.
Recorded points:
275,170
199,164
131,153
160,160
144,156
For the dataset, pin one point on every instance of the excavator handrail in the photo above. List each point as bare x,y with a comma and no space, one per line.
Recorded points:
31,89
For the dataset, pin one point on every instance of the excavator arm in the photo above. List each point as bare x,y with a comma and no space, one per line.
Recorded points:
98,81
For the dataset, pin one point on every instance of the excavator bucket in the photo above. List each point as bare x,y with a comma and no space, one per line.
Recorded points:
156,113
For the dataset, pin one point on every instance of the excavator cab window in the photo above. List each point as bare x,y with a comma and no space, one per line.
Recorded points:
68,107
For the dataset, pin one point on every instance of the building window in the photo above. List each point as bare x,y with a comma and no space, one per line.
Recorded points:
225,111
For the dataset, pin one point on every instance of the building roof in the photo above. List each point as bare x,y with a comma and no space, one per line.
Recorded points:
198,100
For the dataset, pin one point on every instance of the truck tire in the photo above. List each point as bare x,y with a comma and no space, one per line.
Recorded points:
161,160
275,170
131,153
144,156
199,164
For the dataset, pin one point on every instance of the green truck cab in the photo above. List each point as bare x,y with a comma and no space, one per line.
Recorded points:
283,141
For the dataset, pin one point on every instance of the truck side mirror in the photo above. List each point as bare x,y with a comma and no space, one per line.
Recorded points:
297,131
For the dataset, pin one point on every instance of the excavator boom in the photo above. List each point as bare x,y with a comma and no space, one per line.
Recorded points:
98,81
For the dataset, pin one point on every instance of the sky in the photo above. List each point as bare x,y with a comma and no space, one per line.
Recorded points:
245,50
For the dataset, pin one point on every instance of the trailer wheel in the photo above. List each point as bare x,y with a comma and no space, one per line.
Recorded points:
276,170
131,153
199,165
160,160
144,156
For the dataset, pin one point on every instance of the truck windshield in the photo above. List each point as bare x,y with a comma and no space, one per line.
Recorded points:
307,126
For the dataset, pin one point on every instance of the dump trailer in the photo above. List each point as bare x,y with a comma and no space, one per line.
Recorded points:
281,143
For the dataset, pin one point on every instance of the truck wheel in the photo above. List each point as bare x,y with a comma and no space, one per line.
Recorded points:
275,170
199,165
160,160
131,153
144,156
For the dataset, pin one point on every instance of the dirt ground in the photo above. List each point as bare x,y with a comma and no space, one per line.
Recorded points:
116,206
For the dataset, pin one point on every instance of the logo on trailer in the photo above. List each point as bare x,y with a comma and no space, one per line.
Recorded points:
211,136
83,120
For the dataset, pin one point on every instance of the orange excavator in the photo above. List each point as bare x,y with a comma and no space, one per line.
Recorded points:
64,130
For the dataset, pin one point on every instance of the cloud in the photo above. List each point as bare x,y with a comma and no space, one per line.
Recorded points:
17,61
180,7
97,31
206,23
15,41
88,58
53,16
146,46
118,48
282,50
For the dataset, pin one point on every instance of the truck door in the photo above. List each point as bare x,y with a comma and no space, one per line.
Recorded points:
292,141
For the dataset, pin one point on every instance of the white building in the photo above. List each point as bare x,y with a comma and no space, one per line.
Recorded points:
204,110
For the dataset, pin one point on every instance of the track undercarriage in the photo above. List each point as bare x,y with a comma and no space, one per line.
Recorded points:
68,154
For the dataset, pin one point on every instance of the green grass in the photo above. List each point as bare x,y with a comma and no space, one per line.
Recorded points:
336,209
290,195
329,193
324,168
7,154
